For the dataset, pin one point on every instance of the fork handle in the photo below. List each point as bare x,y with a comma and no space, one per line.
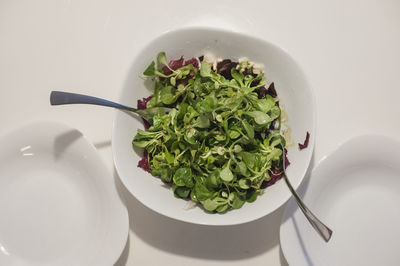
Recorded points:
324,231
61,97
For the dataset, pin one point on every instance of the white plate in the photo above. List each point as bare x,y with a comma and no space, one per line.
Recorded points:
294,92
58,202
355,191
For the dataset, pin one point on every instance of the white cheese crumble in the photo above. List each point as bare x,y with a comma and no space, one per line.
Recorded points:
244,63
189,205
209,58
243,59
258,68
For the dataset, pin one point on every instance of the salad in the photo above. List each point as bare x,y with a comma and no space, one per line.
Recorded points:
219,141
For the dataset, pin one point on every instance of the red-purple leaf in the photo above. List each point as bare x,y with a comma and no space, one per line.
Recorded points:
174,64
146,124
275,175
271,90
287,162
144,163
142,104
194,62
305,144
224,68
261,92
184,81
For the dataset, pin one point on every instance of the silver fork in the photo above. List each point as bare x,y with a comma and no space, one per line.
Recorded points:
320,227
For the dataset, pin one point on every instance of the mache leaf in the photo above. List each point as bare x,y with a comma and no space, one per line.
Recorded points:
226,174
205,69
150,70
259,117
162,59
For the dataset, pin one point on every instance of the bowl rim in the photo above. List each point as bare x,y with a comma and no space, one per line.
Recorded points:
237,34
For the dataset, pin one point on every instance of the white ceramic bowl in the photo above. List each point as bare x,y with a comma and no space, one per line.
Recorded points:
59,205
293,90
355,190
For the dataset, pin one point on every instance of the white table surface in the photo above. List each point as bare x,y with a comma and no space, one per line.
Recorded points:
350,50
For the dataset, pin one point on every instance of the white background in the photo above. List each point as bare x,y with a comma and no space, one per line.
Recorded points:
350,51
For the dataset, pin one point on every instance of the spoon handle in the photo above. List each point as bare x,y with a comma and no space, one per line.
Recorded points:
61,97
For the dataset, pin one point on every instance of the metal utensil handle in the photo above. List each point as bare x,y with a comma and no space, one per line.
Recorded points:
61,97
324,231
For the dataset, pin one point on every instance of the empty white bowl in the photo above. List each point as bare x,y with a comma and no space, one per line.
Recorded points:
59,205
355,190
293,90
